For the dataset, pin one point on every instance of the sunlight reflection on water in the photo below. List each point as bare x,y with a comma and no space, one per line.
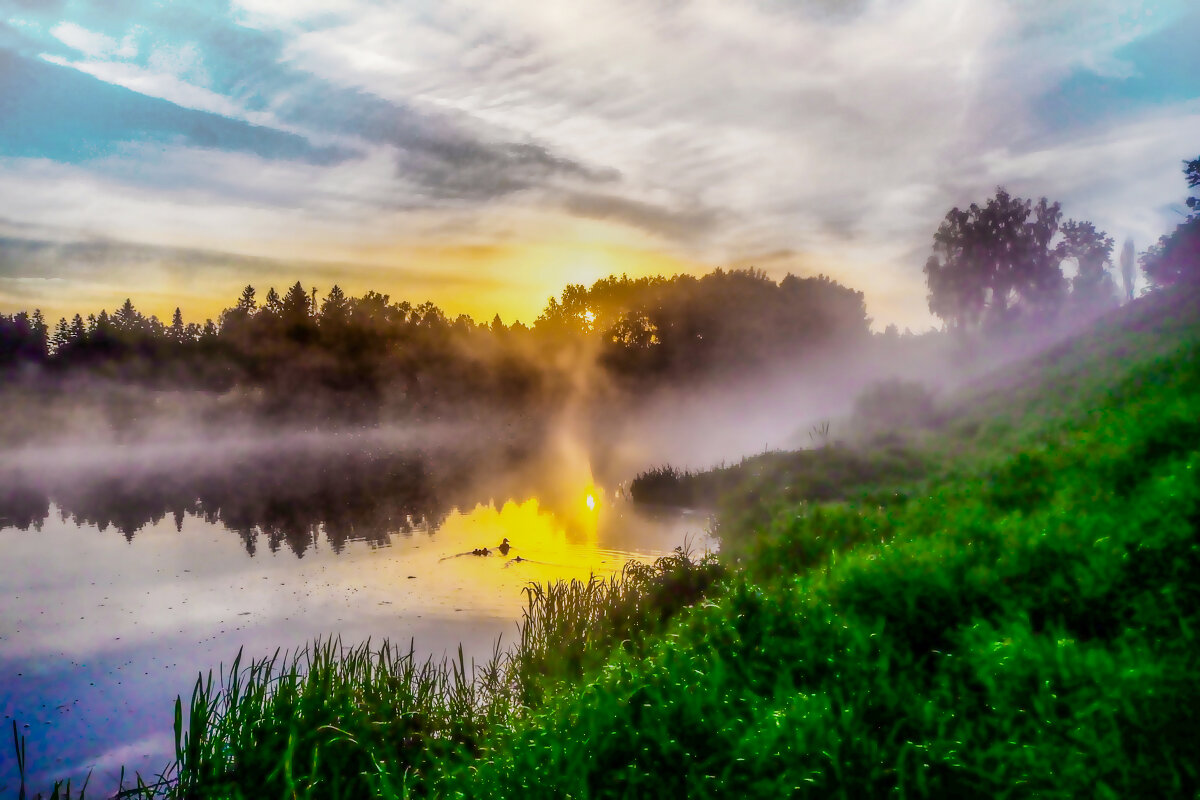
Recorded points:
101,632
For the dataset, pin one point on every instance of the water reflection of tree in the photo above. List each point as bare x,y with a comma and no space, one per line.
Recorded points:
291,499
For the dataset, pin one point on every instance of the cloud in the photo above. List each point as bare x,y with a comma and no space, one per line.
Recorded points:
683,224
1160,68
715,130
100,259
472,170
760,112
64,276
54,112
90,43
443,156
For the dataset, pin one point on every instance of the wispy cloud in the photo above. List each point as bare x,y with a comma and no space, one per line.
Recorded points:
61,114
90,43
712,130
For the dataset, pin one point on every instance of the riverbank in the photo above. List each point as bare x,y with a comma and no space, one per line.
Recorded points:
1019,620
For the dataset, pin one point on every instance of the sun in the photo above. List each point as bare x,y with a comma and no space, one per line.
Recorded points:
591,502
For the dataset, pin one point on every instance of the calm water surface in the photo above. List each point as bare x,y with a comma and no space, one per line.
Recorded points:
120,590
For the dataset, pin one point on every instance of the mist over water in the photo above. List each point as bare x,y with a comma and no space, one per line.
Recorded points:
149,535
131,568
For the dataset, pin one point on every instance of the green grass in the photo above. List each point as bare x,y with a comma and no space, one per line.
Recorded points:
749,492
331,721
1021,621
1025,629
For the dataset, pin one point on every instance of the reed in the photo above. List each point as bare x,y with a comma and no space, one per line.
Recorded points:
336,721
331,721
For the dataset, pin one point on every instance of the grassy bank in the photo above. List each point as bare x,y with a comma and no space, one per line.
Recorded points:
1021,620
1023,626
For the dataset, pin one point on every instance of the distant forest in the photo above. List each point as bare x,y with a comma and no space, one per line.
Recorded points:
364,354
995,266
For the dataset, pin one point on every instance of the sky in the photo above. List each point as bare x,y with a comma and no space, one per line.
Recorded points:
483,154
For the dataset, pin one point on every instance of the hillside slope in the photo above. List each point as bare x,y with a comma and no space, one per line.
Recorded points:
1022,624
1018,619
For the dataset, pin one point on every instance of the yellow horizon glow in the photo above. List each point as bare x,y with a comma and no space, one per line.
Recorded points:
512,280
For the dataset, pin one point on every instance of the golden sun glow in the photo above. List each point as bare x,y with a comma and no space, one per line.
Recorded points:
512,279
551,544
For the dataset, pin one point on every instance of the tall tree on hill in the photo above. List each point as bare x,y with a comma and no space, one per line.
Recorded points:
1127,269
992,261
1191,172
1175,258
1092,250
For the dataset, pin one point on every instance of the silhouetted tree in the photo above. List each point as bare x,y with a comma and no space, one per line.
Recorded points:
234,321
296,314
62,335
1175,258
335,310
295,304
40,334
246,302
274,304
127,319
1092,250
651,328
1127,269
23,339
358,356
1191,172
178,331
989,261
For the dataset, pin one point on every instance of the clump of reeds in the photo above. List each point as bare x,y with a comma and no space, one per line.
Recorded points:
332,721
663,485
571,627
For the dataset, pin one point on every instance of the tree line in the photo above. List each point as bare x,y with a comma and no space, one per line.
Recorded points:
367,353
996,264
1001,263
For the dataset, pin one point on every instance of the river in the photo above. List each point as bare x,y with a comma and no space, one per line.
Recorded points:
127,574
